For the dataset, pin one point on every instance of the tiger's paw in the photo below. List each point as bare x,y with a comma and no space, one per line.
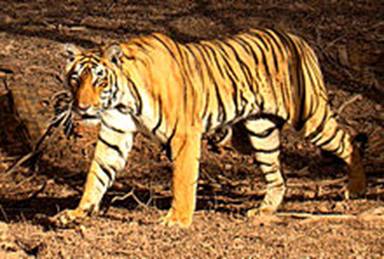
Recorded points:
357,180
355,189
357,185
176,219
68,218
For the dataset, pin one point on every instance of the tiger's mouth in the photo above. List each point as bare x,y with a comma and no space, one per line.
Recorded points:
87,118
90,119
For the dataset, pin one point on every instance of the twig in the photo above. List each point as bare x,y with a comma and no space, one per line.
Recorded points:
333,181
371,214
19,162
35,193
4,213
330,44
130,194
355,98
8,159
378,212
30,195
5,84
304,215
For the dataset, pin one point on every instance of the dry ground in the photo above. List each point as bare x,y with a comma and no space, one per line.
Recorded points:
348,37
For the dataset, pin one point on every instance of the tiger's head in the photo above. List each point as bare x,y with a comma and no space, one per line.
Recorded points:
92,79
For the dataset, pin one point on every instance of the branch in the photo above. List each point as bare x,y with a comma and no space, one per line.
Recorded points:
353,99
371,214
60,121
131,193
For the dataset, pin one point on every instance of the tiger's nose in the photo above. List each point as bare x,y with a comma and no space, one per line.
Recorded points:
83,108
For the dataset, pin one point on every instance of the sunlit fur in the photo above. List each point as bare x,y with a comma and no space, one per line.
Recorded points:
255,81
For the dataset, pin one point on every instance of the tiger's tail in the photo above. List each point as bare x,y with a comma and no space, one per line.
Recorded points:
319,125
315,119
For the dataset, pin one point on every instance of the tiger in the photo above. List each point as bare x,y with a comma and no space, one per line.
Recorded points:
255,82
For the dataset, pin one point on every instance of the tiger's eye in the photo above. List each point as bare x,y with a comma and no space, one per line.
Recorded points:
100,73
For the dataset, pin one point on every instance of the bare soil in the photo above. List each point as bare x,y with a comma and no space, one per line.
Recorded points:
348,37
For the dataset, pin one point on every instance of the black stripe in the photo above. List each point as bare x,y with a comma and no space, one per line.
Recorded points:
329,140
100,180
216,60
199,66
114,147
277,185
112,127
266,133
222,110
136,96
301,92
274,55
173,132
281,47
243,42
187,60
264,163
114,84
284,45
171,52
263,56
225,56
308,72
168,149
142,45
231,75
341,144
187,80
109,171
255,76
174,154
226,75
267,150
206,105
309,111
122,109
160,118
320,127
190,51
265,173
274,47
209,122
261,38
267,65
243,66
261,104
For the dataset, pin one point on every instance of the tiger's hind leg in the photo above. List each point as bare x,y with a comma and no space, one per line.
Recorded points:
323,130
264,136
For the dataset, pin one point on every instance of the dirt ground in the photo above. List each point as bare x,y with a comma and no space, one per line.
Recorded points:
348,37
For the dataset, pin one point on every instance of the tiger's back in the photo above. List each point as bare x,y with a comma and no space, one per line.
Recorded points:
221,81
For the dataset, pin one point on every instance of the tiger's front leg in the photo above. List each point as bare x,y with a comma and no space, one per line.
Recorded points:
112,148
185,156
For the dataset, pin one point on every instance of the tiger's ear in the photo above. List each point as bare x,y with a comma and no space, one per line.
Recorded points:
113,54
70,51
